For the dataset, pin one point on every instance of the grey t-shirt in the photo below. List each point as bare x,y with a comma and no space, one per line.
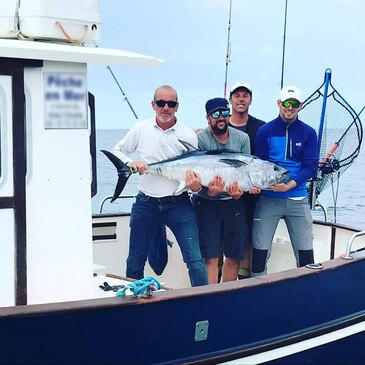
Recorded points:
237,141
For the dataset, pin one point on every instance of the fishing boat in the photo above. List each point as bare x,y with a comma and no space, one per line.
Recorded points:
59,266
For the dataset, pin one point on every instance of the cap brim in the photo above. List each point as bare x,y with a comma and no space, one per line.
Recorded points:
216,109
241,87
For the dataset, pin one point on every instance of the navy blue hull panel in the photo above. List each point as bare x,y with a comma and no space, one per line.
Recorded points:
349,350
242,320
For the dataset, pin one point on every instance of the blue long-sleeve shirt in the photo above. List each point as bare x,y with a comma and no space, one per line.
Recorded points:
292,146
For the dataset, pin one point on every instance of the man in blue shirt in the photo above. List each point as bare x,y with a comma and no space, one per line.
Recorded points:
290,143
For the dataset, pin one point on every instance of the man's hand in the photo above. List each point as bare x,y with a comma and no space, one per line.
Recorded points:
282,187
192,181
138,166
234,190
254,190
216,186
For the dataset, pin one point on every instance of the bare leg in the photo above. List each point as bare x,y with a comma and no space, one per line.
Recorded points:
230,269
212,270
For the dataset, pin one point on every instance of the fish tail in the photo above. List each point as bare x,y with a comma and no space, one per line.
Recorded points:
124,172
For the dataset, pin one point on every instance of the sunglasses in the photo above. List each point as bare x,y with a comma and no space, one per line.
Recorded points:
170,103
294,103
224,113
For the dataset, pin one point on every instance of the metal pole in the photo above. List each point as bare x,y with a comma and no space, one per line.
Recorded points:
327,80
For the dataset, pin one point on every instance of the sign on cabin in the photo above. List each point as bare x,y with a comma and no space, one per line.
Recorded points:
65,102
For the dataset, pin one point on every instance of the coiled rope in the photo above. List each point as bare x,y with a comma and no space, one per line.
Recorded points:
143,287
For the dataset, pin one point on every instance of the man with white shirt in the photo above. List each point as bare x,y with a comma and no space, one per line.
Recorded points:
156,204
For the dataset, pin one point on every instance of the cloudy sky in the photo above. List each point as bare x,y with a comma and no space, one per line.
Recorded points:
191,37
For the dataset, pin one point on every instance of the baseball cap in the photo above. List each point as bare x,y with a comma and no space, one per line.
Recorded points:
212,105
290,92
240,84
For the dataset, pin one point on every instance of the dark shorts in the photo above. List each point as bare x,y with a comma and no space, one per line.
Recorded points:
222,228
249,200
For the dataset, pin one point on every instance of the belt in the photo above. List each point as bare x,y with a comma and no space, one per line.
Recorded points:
169,198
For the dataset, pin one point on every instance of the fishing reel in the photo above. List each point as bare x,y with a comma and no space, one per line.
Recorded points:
330,166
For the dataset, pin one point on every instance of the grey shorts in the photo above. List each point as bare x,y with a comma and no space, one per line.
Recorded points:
222,227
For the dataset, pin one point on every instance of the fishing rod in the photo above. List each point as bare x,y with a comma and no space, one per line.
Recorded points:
120,88
228,54
284,41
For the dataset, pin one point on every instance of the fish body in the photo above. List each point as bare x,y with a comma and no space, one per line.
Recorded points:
249,171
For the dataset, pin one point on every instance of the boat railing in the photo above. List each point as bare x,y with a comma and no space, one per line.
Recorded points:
349,244
107,198
324,210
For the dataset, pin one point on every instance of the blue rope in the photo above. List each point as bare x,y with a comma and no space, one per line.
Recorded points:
143,287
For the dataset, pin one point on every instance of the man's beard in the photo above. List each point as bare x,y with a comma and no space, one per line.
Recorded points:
217,130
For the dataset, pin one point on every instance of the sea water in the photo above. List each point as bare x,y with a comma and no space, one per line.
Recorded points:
344,201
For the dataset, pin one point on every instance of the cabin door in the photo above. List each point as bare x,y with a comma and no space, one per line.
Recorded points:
13,290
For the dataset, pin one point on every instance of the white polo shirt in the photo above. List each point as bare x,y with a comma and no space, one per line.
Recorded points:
155,144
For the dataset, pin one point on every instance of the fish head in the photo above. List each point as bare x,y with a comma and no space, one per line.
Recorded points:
283,175
265,174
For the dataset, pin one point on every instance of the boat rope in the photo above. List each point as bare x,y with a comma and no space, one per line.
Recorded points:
143,287
68,37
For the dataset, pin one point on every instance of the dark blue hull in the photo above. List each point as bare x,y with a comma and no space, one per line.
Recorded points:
246,318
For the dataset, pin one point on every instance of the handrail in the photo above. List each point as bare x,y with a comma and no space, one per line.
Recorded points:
110,198
349,244
318,204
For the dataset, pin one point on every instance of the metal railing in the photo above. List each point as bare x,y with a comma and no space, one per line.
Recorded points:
110,198
349,244
324,210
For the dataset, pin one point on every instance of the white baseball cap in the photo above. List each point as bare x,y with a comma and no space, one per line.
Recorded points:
239,84
290,92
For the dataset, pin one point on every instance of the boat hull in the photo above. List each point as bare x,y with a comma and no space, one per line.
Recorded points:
254,320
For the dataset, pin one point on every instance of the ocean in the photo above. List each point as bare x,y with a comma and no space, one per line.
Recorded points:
345,202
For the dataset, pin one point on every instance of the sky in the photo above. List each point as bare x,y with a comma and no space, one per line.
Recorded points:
191,36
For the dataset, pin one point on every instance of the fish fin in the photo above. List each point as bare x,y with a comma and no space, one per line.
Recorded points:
213,152
219,151
188,146
231,162
123,170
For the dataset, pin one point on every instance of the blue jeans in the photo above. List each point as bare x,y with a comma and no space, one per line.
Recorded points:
148,214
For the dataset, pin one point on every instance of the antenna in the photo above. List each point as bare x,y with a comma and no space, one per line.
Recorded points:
284,39
228,54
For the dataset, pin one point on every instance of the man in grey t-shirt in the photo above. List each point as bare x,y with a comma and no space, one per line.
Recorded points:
221,214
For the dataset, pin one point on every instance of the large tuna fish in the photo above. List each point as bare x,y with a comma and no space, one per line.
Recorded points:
248,170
